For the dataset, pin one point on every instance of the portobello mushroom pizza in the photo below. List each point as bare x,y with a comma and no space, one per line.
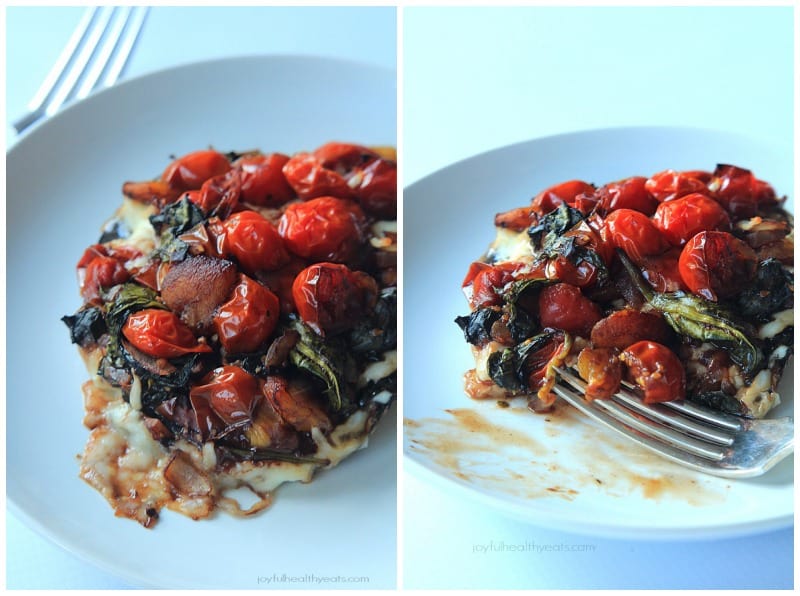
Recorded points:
239,326
681,283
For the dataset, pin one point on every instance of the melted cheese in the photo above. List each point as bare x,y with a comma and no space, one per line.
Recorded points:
128,467
759,396
510,246
131,469
780,321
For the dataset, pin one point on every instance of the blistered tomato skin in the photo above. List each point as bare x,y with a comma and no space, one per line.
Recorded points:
656,370
161,334
662,272
102,273
484,284
101,268
248,318
254,242
323,229
219,194
562,306
717,265
629,193
566,192
263,182
670,184
634,233
331,298
680,219
309,178
375,188
190,171
346,171
740,191
230,391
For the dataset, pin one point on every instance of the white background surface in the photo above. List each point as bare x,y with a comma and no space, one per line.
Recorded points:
171,37
477,79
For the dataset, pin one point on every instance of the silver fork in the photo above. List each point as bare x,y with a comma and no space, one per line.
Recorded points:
696,437
94,57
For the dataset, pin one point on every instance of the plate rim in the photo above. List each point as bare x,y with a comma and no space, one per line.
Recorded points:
27,516
420,468
167,71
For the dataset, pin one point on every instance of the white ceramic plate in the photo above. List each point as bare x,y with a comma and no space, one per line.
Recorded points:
559,471
64,180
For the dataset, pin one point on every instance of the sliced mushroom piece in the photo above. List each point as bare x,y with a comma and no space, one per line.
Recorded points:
296,403
194,287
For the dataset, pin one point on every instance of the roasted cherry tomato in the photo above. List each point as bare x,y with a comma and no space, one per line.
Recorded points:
102,273
589,234
562,306
568,265
740,191
717,265
101,268
309,178
346,171
375,187
634,233
656,370
280,282
231,392
625,327
190,171
561,268
662,271
602,371
371,178
331,298
518,220
566,192
680,219
669,184
263,182
254,242
484,283
248,318
630,193
323,229
161,334
537,366
218,195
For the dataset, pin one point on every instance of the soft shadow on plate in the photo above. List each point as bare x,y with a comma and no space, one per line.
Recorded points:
63,181
559,470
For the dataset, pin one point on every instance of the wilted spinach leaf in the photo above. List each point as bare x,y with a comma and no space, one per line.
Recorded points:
700,319
85,326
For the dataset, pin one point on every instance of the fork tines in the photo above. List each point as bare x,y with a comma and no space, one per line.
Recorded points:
94,57
697,437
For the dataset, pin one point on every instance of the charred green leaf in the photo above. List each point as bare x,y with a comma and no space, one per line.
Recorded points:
377,333
772,291
172,221
85,326
511,368
127,299
477,326
553,225
325,361
124,300
700,319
